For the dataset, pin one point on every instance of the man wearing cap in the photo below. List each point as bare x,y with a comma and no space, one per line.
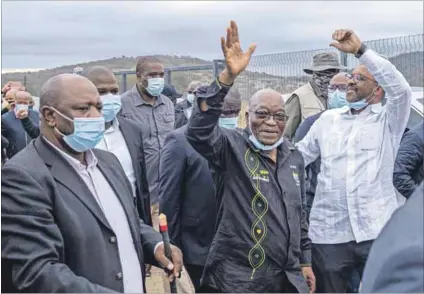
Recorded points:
311,98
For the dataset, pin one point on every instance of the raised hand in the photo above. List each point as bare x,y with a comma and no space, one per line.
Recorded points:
21,114
346,41
235,58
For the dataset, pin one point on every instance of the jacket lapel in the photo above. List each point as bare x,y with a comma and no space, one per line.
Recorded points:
65,174
119,188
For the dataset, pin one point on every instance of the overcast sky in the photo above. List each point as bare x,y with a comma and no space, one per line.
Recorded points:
47,34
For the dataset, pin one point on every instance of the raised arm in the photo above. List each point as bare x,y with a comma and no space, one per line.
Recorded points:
397,90
202,132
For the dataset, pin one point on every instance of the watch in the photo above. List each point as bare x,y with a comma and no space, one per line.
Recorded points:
361,50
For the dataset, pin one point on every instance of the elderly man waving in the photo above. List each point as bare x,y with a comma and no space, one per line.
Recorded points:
357,143
261,238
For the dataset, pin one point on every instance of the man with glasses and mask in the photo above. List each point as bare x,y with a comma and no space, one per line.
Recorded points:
355,196
311,98
187,194
261,239
69,224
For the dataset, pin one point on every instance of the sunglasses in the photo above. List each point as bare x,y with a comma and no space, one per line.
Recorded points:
281,117
358,78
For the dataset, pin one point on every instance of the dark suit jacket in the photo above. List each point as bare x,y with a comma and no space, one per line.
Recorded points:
180,116
395,263
12,129
55,237
187,197
134,138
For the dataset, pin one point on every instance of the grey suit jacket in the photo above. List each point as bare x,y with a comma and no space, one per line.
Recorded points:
396,260
55,237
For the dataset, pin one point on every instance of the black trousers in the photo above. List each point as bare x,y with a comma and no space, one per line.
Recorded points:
335,265
195,272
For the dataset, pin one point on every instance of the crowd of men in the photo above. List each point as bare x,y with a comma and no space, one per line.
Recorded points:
296,202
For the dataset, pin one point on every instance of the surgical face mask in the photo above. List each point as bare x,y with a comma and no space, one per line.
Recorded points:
262,146
336,99
361,104
190,98
155,86
111,106
228,122
88,132
19,107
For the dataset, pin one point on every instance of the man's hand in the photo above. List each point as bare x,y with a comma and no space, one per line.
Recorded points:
175,266
6,88
22,113
346,41
309,277
235,58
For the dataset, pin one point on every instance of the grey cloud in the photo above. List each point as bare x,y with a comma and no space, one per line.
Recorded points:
69,32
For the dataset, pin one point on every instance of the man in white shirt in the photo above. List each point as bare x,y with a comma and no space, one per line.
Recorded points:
122,137
69,224
357,143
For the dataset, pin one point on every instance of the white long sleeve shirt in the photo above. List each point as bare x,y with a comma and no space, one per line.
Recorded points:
355,196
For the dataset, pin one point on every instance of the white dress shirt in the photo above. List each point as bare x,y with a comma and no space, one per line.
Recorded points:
115,215
113,141
355,196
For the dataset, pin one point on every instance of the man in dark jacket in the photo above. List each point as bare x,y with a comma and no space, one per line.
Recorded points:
68,221
183,109
395,262
170,92
261,237
185,175
409,169
11,126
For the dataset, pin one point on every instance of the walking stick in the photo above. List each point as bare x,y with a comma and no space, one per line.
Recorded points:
163,227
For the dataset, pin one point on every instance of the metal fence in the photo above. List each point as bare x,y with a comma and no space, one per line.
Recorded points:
284,71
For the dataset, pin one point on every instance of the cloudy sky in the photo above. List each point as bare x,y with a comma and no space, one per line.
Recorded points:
47,34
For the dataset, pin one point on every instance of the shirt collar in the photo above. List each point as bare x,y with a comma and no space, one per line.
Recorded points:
375,108
90,158
138,99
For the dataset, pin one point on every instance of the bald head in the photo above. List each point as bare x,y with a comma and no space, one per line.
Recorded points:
63,87
265,96
103,78
339,79
194,85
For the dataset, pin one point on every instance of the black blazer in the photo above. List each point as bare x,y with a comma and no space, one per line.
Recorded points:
133,136
55,237
187,197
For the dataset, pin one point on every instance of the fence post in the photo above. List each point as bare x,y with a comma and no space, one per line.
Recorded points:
218,67
168,76
124,82
343,58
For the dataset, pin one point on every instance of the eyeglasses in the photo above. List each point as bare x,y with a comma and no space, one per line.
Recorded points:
341,88
358,78
279,116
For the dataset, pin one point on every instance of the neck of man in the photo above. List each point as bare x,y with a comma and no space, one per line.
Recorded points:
272,154
63,147
108,124
145,95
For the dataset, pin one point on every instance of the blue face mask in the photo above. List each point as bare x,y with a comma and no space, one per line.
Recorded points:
111,106
228,122
20,106
88,132
155,86
190,98
358,104
263,147
336,99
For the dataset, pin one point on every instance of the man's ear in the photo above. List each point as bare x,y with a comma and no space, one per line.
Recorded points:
48,115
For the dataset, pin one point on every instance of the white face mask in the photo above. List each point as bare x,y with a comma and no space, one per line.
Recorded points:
260,145
190,98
